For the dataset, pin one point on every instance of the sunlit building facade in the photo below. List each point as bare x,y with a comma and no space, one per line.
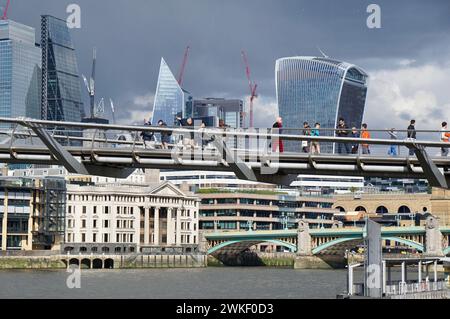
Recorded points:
170,98
20,71
316,89
61,90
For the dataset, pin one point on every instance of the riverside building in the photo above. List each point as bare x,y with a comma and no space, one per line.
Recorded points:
32,213
236,210
121,218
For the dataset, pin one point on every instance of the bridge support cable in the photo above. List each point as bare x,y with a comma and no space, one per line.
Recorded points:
435,177
237,165
63,156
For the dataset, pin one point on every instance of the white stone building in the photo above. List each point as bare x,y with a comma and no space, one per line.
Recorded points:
127,218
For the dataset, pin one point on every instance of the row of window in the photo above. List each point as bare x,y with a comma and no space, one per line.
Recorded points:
265,202
120,238
120,224
129,199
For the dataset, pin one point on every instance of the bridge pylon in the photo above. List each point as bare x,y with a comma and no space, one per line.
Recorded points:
303,239
433,238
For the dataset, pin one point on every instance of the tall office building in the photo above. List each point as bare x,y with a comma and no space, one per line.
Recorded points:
316,89
231,111
20,71
170,98
61,91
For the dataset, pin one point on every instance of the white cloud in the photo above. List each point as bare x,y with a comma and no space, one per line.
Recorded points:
138,109
265,110
421,92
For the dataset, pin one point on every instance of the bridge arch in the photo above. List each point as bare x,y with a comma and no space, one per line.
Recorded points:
341,240
291,247
361,208
340,208
332,243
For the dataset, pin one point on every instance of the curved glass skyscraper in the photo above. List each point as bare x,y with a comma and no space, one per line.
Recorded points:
316,89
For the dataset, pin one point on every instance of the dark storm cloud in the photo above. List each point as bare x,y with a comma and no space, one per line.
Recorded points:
131,36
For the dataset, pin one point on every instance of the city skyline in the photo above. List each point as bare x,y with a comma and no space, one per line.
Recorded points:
406,47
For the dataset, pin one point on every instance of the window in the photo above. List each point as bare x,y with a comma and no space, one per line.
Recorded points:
94,238
94,223
106,223
83,223
95,209
105,238
84,209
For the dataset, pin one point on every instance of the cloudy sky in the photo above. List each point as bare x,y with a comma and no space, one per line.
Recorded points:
408,59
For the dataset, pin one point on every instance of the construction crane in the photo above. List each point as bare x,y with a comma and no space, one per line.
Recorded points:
252,87
183,66
5,11
90,85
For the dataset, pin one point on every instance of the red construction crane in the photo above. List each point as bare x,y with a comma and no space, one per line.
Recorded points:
5,12
252,86
183,66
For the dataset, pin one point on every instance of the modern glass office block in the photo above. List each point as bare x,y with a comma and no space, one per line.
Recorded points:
61,91
315,89
170,98
20,71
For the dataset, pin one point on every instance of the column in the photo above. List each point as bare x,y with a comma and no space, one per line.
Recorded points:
419,271
146,225
384,276
435,271
170,228
178,229
403,272
156,227
5,221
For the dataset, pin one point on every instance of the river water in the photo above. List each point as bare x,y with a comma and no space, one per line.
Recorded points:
211,283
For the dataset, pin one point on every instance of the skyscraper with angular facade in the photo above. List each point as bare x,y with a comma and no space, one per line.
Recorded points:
20,71
316,89
61,90
170,98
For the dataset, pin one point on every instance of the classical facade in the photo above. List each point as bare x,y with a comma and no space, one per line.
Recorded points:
128,218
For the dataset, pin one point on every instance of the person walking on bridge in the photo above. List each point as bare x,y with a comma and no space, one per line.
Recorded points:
365,134
393,148
165,135
277,128
315,146
411,134
306,132
342,131
147,136
445,136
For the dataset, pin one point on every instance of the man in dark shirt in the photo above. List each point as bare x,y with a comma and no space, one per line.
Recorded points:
342,131
411,134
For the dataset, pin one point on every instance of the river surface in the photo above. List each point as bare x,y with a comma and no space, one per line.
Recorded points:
211,283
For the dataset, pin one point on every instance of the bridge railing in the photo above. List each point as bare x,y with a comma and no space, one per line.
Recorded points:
17,132
402,288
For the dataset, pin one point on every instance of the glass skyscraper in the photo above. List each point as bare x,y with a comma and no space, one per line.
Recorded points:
61,91
316,89
170,99
20,71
